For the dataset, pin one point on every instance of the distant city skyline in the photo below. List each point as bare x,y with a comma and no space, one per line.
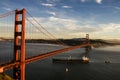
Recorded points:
72,18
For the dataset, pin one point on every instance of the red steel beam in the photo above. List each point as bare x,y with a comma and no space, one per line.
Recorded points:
22,54
45,55
41,56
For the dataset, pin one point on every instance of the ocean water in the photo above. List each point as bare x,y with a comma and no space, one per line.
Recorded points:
45,69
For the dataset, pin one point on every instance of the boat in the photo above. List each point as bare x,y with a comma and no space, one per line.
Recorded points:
84,59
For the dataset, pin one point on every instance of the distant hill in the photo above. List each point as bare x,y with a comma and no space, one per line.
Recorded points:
72,42
76,41
5,39
113,41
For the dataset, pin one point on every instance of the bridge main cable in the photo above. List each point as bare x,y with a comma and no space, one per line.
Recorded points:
46,30
40,30
7,14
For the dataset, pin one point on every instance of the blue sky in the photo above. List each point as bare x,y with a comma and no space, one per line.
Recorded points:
72,18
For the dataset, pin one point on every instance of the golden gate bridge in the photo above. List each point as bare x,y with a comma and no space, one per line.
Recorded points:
19,58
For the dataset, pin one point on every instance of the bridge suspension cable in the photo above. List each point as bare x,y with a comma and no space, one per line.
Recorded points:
36,27
58,42
7,14
6,36
50,34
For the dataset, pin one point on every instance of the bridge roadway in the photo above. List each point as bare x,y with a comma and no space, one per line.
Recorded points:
28,60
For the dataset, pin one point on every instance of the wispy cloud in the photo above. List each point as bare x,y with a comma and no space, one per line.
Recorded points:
47,4
114,7
7,9
68,24
109,31
52,13
103,31
52,1
111,27
72,29
82,0
117,8
66,6
99,1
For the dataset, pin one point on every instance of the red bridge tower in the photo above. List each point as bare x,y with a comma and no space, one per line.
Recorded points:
19,44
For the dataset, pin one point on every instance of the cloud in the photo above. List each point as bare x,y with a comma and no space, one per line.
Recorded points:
83,0
71,28
66,6
52,1
117,8
47,4
68,24
109,31
114,7
71,24
52,13
99,1
111,27
7,9
101,31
